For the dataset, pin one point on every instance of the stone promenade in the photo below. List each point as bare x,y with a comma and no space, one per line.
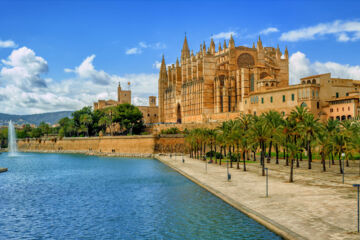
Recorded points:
316,206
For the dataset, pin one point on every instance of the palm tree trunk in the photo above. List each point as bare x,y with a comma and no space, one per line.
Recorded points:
254,152
263,158
237,157
347,162
211,151
221,155
323,161
215,153
332,159
230,156
297,161
269,154
340,165
291,170
309,155
244,161
301,156
277,153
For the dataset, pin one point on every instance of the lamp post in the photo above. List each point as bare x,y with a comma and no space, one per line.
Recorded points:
228,173
267,182
358,205
343,167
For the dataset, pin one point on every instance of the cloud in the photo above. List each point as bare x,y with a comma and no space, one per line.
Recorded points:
344,31
7,44
86,86
269,30
157,65
144,45
23,68
87,71
224,35
133,51
300,66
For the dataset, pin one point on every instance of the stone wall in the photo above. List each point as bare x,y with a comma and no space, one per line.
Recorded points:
148,144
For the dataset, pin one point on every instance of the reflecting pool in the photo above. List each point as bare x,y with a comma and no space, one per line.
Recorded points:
70,196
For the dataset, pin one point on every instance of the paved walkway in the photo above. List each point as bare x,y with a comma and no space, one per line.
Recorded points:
316,206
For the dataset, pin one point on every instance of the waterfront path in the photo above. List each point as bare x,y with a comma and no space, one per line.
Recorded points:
316,206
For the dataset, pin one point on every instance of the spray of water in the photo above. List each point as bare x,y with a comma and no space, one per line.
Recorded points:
12,140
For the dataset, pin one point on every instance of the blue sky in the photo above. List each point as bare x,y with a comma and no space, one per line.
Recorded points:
62,55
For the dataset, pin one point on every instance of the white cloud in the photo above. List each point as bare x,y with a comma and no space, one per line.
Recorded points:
87,71
7,44
157,65
224,35
144,45
133,51
86,86
344,31
23,68
300,66
269,30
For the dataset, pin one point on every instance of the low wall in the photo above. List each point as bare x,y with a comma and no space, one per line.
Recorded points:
148,144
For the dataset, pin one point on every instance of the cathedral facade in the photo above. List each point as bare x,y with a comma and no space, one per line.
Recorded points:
217,84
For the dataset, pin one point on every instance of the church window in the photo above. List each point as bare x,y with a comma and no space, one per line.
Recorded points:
262,100
331,110
148,114
271,99
318,105
252,82
292,97
313,93
283,98
347,94
337,95
229,105
245,60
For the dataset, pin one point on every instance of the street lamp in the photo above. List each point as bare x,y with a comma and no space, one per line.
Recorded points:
343,166
267,182
228,173
358,205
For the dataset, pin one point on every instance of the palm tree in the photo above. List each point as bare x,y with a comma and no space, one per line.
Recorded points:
323,143
259,133
308,126
274,120
86,120
293,148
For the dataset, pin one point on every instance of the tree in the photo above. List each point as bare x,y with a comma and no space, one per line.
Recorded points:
86,121
129,117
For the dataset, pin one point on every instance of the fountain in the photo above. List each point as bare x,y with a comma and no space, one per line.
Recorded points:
12,147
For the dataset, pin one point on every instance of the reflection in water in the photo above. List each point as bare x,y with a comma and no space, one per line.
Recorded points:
68,196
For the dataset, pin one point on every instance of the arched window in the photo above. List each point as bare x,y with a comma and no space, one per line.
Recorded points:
309,81
266,84
349,117
338,118
313,81
303,82
245,60
343,117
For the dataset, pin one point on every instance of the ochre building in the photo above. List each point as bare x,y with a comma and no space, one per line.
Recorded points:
150,113
218,84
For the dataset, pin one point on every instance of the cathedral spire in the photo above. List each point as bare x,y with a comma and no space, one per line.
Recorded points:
286,53
185,52
220,46
278,53
212,46
253,45
163,65
177,62
231,42
225,44
259,44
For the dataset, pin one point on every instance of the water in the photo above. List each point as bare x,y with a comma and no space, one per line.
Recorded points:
68,196
12,140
